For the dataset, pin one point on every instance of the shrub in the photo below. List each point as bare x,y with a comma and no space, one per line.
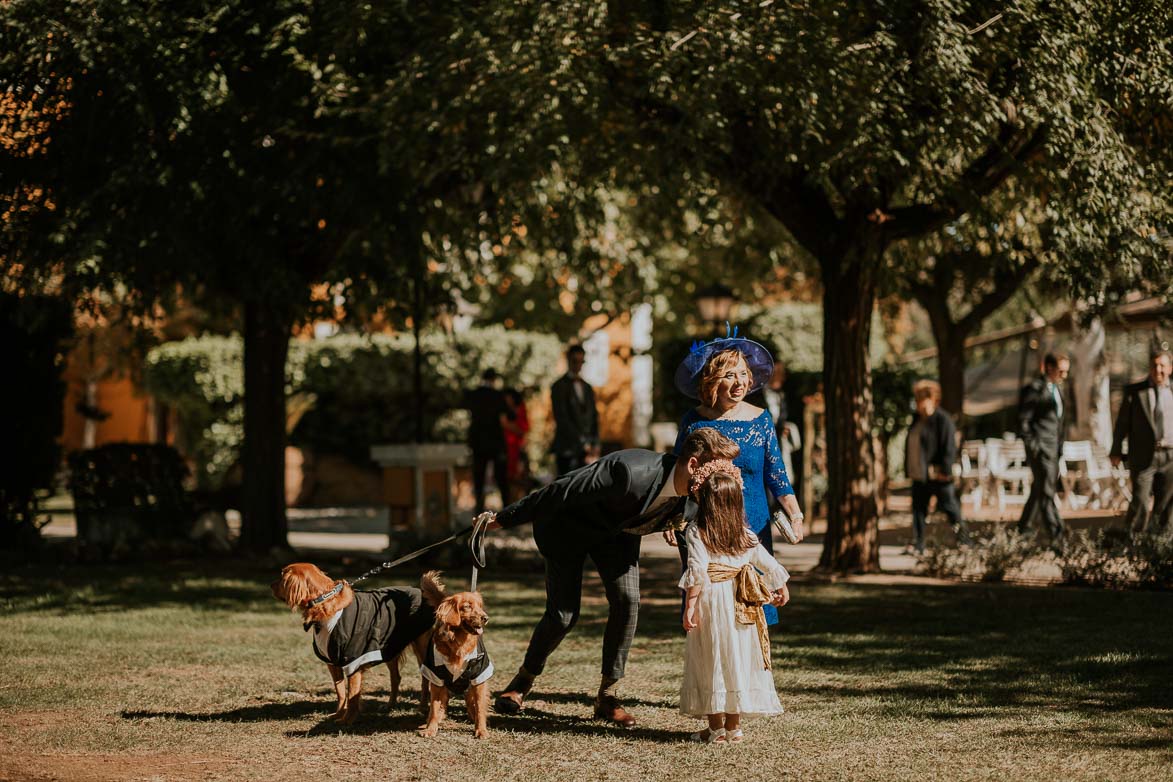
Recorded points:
989,557
125,494
360,387
1152,557
1112,558
1004,550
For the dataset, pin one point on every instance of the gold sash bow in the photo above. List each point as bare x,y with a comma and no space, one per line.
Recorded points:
750,593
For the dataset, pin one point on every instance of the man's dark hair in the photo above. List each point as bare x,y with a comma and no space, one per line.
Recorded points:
707,443
490,374
1051,360
570,351
1158,354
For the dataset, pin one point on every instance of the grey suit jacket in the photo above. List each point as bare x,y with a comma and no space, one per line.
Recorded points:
1134,423
1039,422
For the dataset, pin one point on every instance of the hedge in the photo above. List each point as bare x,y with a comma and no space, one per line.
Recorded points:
346,392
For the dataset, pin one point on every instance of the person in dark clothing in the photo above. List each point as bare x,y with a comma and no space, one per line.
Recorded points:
489,414
1145,421
600,511
576,419
1040,424
928,461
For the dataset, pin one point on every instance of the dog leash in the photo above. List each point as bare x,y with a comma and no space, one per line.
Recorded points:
476,545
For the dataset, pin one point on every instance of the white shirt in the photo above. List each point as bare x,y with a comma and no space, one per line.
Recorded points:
1164,399
668,493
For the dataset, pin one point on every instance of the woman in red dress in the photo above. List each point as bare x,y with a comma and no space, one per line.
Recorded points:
516,429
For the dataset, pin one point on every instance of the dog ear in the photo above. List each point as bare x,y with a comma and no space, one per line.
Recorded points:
433,588
448,612
294,587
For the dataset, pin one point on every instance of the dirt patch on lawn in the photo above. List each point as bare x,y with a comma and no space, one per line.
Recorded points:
51,767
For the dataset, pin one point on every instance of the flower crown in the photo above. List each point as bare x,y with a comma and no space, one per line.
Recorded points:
708,469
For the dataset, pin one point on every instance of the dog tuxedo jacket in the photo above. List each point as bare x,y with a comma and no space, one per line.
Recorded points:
438,669
376,627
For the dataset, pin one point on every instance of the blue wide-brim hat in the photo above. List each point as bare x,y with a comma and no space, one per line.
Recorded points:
757,358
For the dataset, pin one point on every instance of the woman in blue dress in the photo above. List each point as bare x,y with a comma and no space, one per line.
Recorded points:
720,374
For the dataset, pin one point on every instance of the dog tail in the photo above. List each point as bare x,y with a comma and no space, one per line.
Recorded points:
433,588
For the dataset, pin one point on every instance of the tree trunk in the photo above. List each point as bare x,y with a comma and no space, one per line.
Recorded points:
951,370
266,346
852,540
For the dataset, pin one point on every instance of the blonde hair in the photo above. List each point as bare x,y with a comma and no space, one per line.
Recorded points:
717,365
721,516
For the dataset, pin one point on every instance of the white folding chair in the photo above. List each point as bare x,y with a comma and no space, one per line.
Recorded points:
974,472
1011,473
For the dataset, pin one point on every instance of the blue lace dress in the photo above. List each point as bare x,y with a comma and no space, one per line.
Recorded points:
761,465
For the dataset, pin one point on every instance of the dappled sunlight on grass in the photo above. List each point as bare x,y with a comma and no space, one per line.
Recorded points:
885,682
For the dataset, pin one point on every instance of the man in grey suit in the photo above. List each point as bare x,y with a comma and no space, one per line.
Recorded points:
1145,420
576,419
1040,424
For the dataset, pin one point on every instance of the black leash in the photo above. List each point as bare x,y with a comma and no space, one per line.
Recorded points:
476,545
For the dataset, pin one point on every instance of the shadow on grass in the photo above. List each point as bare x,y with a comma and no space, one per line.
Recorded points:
532,721
263,712
934,652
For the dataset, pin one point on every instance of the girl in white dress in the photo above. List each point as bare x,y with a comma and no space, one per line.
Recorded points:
727,670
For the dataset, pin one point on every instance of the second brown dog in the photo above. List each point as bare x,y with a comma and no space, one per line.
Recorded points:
456,660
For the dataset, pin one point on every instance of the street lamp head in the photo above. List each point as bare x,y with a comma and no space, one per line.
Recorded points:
715,302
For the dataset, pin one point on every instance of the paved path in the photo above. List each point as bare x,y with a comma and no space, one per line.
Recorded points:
363,531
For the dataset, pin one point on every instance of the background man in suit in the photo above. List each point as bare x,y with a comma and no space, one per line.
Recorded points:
489,416
576,420
928,461
600,511
1145,420
1040,423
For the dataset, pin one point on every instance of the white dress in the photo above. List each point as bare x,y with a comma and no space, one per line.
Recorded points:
723,670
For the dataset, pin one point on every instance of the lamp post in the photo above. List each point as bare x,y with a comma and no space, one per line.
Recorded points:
714,303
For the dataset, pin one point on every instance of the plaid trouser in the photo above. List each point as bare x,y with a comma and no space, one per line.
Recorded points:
617,560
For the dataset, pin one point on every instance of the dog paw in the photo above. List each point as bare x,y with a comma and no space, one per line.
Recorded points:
481,733
429,731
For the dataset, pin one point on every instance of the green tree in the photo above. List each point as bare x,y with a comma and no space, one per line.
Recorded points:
858,126
961,275
189,161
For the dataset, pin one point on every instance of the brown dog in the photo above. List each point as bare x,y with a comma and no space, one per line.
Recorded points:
456,660
354,629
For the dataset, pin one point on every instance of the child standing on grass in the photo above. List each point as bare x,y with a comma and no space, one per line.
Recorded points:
727,671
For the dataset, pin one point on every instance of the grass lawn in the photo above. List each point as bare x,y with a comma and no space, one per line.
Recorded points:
190,670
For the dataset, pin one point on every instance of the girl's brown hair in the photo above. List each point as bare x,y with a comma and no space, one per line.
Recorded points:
722,516
715,368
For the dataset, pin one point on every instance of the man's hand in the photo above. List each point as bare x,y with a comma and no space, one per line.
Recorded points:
492,517
781,597
670,537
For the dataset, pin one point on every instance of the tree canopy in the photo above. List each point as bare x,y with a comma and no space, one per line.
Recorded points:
393,156
859,126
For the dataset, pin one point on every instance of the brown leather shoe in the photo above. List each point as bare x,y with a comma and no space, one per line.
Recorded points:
509,702
608,708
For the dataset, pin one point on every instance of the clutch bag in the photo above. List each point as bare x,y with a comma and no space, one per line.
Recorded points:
784,526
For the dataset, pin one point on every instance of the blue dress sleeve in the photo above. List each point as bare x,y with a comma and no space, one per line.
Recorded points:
776,477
